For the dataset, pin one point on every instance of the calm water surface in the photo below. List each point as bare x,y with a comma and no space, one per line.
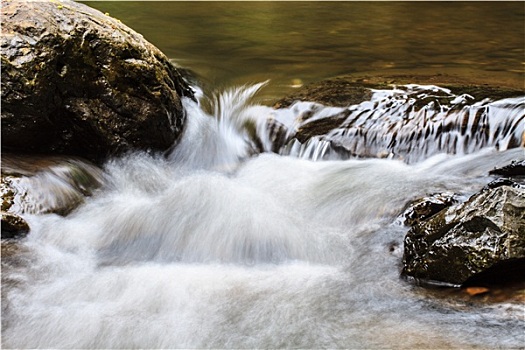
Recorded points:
292,42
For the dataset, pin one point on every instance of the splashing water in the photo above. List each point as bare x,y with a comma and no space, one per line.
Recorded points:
411,123
218,246
220,141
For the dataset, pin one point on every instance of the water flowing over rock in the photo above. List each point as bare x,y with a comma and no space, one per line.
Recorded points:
36,185
79,82
460,242
409,122
230,250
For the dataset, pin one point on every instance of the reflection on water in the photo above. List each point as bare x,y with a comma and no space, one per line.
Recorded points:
237,42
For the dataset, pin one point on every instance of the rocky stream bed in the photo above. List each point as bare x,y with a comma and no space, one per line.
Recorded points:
80,89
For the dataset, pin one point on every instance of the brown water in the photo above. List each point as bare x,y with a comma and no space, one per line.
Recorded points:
298,42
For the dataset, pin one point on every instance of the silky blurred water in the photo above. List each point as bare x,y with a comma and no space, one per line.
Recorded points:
217,246
240,250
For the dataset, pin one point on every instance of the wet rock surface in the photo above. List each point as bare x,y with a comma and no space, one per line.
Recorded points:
76,81
516,168
426,207
459,243
13,226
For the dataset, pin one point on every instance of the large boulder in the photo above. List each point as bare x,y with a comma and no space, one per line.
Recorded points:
76,81
459,243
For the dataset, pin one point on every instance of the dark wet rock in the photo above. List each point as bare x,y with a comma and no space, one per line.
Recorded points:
40,185
320,126
13,226
76,81
351,90
422,209
516,168
502,182
460,242
505,273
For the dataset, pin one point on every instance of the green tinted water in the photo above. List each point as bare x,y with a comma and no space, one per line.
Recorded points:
298,42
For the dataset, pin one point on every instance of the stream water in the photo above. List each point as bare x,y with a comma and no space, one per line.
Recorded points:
296,42
216,247
221,244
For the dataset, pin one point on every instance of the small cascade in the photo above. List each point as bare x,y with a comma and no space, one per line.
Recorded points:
219,140
410,123
36,185
216,245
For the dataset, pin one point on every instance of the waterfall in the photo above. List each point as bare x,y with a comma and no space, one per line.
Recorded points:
229,241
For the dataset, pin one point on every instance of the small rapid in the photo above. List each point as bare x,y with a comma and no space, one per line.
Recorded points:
410,122
221,245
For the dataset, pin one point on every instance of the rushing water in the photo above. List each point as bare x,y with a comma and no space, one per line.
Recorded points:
223,244
214,246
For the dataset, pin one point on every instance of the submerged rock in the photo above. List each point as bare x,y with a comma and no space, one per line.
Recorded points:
459,243
76,81
349,90
337,92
